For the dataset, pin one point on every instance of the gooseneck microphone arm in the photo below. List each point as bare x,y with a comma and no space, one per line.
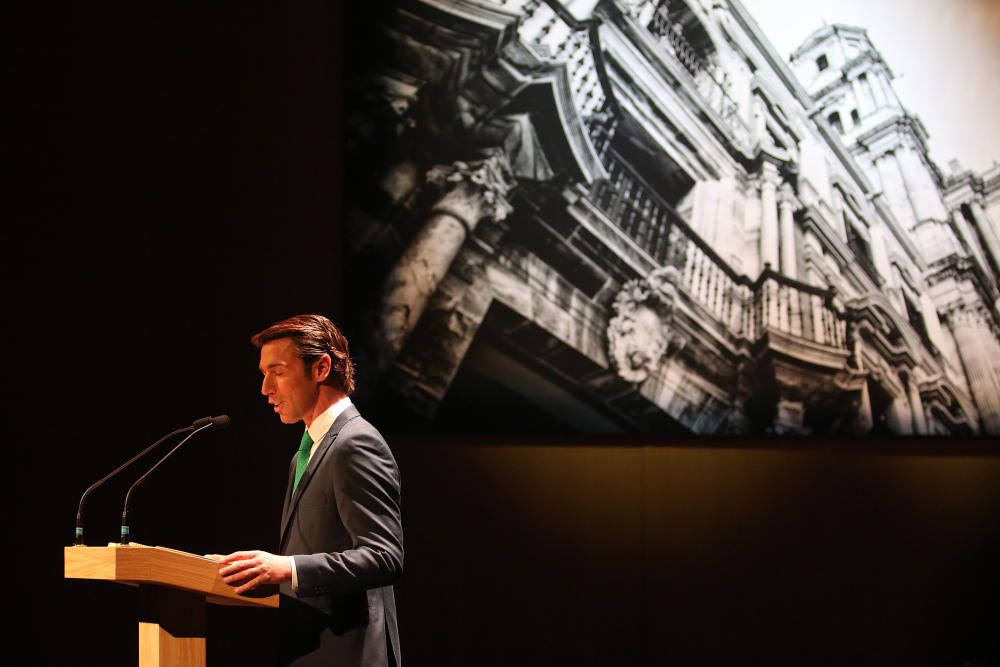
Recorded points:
78,540
201,425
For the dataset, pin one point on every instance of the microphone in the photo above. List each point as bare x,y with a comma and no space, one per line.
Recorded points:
204,424
222,421
78,540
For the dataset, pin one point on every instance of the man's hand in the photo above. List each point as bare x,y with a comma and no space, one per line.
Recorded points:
247,570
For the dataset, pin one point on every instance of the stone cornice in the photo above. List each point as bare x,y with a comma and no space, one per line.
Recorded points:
827,31
966,179
939,390
893,337
812,220
872,57
905,274
964,268
965,314
477,30
843,155
905,123
761,87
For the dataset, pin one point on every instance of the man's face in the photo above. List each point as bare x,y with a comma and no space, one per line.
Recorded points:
288,384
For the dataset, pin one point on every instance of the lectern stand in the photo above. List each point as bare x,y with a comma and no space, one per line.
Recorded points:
174,587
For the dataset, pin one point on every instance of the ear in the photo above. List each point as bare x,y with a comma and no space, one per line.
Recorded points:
321,368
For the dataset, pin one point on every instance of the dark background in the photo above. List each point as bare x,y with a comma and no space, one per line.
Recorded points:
177,190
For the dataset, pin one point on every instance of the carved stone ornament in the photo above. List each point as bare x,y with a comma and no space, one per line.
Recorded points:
640,331
487,181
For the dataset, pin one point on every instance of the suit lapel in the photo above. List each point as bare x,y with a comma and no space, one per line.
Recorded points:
288,492
314,462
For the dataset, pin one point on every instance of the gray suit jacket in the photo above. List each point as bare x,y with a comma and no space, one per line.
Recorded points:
344,529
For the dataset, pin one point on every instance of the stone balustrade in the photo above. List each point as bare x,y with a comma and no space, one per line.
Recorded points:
746,308
555,34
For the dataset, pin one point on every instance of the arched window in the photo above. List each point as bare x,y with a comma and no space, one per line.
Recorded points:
835,122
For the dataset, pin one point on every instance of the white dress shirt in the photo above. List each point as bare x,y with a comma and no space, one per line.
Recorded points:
317,431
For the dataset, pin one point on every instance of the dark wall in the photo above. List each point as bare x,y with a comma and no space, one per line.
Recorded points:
179,190
701,553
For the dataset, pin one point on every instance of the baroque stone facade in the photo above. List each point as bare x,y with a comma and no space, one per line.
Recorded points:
633,216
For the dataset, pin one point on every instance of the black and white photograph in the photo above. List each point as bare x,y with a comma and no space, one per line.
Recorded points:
643,217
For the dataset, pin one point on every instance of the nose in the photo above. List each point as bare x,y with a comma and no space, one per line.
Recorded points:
267,386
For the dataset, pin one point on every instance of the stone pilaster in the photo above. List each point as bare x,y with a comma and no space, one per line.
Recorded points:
769,215
894,290
931,320
968,236
969,327
474,191
916,406
923,195
880,256
911,184
987,231
758,122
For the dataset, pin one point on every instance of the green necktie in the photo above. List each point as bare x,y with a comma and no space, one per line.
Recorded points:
303,460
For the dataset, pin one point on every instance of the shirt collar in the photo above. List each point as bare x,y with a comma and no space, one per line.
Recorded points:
318,429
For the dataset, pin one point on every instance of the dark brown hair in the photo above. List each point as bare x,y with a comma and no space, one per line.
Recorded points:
314,336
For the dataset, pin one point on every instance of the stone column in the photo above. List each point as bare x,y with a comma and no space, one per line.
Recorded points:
968,236
786,221
863,420
769,215
986,229
423,371
814,277
968,327
992,345
769,240
900,416
916,405
860,103
475,191
789,262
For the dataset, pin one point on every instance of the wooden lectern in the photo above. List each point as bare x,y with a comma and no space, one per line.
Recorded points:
174,587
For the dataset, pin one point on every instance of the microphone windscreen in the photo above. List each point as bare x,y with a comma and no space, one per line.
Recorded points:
222,421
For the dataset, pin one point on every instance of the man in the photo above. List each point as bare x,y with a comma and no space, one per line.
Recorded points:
341,539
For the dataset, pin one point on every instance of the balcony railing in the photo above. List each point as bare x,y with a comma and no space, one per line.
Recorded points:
555,34
710,80
797,309
746,308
